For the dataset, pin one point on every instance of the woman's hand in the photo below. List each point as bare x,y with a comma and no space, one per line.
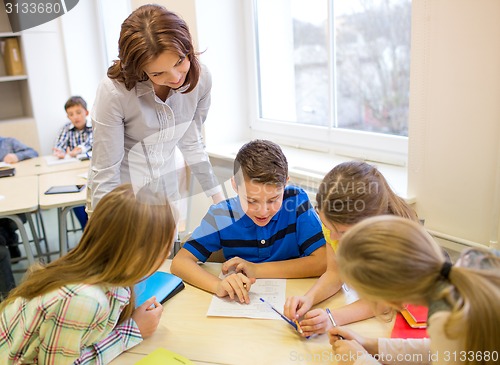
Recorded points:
236,286
147,316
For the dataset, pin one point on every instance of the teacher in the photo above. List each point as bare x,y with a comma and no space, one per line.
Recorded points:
155,97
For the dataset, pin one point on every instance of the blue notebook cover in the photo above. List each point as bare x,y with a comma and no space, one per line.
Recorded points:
161,284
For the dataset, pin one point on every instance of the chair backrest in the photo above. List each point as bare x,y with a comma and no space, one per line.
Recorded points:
24,130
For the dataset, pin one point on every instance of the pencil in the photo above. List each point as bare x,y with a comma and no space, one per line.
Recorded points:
334,324
298,326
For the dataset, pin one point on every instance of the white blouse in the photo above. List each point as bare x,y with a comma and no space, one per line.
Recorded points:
135,135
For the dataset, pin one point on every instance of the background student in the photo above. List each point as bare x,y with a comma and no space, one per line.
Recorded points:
268,231
155,97
80,308
75,138
350,192
394,261
11,152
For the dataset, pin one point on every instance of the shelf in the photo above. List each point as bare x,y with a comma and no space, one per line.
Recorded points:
13,78
9,34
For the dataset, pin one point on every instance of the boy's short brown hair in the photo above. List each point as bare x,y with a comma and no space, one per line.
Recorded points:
74,101
261,161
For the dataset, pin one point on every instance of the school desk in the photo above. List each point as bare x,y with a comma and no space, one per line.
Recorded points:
39,166
20,195
63,202
185,329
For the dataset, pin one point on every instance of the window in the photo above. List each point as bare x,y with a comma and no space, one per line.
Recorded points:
334,71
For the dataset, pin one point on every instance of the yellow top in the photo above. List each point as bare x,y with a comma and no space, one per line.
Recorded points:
333,243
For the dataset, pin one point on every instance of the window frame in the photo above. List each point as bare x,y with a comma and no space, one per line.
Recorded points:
357,144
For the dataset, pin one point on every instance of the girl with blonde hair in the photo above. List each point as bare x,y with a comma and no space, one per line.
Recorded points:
80,308
393,261
349,193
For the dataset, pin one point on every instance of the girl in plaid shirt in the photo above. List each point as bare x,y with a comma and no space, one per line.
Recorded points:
79,309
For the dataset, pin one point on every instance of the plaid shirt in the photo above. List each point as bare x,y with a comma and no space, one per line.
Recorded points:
12,145
76,324
71,137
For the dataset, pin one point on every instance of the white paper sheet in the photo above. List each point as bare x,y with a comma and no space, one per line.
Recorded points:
272,291
54,160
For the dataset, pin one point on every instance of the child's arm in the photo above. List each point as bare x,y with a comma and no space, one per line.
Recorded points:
356,348
21,151
185,265
317,320
61,144
327,285
303,267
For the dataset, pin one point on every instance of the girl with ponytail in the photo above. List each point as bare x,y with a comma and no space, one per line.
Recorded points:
349,193
392,261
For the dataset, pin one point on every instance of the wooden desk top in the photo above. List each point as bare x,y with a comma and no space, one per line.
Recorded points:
18,195
69,177
186,329
39,166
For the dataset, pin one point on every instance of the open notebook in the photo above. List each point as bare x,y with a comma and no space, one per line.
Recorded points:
161,284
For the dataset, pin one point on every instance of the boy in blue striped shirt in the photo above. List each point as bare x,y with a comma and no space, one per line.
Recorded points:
269,230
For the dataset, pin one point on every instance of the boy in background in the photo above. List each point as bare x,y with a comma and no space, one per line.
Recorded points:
75,138
269,230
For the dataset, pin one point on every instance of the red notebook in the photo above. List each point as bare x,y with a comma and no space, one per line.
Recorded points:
415,315
402,329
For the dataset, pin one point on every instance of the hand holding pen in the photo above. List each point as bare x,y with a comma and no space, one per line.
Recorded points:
332,320
295,324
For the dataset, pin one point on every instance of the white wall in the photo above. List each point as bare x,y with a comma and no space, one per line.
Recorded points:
218,30
84,48
455,115
64,57
48,80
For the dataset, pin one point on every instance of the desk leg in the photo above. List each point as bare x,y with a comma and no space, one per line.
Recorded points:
36,239
24,236
63,228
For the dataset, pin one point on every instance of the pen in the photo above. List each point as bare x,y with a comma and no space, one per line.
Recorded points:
334,324
291,323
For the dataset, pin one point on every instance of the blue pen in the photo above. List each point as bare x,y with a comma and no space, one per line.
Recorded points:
291,323
334,324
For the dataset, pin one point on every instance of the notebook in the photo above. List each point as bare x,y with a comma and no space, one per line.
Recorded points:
415,315
402,329
164,357
6,171
161,284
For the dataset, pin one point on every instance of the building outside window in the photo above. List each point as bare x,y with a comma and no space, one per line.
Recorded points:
333,70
